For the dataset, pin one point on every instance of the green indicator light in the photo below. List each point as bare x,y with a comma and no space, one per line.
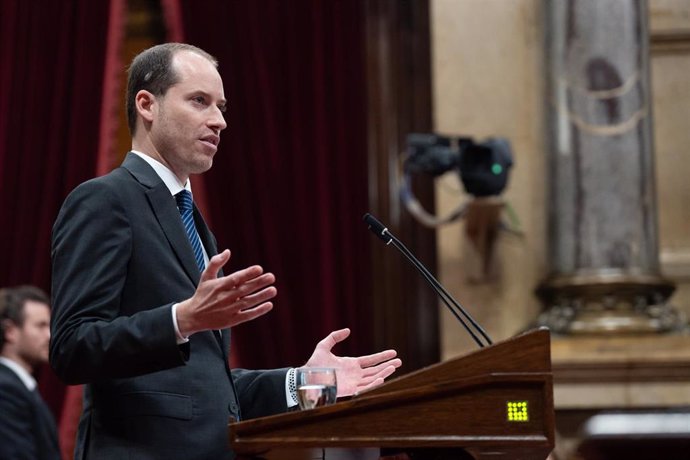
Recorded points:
517,411
496,169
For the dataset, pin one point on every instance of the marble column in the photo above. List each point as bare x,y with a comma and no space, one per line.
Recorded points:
603,248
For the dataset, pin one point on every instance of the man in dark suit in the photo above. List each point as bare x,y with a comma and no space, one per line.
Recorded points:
142,310
27,427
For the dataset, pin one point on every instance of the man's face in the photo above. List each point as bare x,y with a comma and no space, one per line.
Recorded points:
188,119
31,340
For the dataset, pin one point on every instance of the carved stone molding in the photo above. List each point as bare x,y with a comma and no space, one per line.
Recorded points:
670,41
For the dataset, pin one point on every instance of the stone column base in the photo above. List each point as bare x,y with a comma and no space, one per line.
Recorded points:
608,301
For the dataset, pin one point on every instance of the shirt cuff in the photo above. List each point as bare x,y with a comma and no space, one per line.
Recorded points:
180,338
291,388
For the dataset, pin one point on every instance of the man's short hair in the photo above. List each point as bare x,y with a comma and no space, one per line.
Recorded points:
12,302
152,70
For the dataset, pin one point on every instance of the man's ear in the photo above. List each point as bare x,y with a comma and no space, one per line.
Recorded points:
145,103
9,330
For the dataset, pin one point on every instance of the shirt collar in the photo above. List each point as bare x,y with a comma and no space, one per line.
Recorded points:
23,375
167,176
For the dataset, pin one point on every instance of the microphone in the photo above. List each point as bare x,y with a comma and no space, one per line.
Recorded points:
378,229
455,308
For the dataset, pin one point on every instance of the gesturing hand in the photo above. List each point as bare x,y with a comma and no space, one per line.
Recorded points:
226,301
354,374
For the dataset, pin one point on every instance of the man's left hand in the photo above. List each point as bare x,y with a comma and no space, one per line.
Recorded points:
354,375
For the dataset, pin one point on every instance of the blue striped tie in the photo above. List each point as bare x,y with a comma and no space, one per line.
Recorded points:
184,204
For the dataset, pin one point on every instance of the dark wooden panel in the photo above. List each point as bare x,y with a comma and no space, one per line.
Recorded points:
399,100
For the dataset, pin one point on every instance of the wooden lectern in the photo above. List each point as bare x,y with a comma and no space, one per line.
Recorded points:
494,403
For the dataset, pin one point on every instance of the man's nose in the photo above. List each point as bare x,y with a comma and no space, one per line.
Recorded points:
218,120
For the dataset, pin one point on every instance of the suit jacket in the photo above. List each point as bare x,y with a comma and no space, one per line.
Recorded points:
121,258
27,427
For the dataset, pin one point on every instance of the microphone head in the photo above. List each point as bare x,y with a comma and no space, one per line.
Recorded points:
377,228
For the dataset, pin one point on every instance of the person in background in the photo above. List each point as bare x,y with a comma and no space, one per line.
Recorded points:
141,308
27,427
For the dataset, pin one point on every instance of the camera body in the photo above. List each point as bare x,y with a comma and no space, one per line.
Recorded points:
483,167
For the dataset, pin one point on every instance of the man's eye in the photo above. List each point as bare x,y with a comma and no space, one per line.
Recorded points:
199,100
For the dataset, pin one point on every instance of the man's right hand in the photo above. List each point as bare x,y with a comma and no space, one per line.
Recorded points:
219,303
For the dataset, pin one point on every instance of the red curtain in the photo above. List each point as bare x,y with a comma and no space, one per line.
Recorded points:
53,61
289,185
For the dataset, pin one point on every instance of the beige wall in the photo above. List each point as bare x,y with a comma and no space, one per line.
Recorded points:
488,77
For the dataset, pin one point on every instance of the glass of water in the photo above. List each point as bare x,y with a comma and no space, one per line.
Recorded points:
316,386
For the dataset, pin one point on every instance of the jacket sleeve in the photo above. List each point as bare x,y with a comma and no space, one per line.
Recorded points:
261,392
90,338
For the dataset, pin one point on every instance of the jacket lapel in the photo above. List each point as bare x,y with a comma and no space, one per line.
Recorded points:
163,205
